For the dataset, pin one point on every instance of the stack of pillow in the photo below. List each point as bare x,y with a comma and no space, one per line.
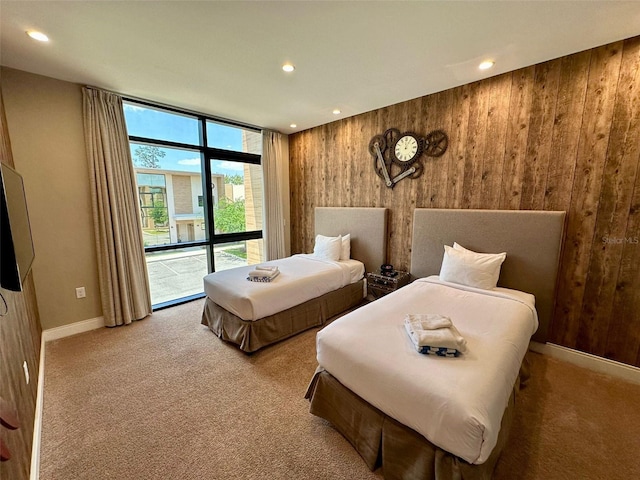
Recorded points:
333,248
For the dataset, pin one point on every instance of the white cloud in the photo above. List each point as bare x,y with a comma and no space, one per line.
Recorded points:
232,166
132,108
189,161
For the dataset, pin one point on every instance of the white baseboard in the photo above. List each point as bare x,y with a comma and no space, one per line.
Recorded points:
586,360
37,424
73,328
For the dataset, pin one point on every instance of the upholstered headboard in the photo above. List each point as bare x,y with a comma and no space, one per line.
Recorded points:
368,229
532,240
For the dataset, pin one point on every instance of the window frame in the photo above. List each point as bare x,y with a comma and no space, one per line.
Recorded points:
207,155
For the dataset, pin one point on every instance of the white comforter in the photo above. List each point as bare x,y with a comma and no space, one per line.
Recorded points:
302,277
456,403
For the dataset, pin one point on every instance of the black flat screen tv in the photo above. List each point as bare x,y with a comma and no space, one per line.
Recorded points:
16,244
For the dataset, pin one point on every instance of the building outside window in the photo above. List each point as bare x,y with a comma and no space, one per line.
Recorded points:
152,194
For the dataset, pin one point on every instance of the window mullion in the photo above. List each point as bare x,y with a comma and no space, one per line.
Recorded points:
229,161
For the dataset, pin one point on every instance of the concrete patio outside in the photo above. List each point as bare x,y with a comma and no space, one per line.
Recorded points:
174,275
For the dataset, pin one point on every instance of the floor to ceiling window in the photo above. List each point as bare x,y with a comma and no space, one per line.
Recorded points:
199,186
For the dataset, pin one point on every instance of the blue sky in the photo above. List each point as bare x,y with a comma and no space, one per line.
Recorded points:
150,123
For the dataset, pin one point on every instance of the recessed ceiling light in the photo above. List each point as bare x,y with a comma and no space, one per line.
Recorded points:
293,125
287,67
486,64
39,36
337,112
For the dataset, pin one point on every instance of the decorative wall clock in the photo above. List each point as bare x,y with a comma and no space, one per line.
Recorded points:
404,150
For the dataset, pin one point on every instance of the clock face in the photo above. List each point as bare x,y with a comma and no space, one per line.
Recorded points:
406,148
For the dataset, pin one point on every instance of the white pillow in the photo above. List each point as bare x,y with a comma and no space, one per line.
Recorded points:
328,248
457,246
345,252
480,270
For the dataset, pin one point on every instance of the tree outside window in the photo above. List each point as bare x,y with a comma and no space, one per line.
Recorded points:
147,156
229,216
159,214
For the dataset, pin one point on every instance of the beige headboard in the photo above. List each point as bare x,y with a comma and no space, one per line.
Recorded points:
532,240
368,229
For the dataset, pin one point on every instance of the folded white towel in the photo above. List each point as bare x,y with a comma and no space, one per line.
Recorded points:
267,268
445,337
428,321
263,278
264,273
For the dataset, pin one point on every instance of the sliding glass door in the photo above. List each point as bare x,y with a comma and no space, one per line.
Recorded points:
199,186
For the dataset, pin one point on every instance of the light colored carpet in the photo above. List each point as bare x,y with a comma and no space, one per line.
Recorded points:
573,423
164,398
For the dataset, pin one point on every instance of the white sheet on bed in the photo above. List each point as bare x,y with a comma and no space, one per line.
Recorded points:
302,277
456,403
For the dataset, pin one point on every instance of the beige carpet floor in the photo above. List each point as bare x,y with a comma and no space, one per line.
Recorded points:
164,398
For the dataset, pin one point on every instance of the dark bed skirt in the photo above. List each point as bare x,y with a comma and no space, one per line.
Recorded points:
382,441
253,335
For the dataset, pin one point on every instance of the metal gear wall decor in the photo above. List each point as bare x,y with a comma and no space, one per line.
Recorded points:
403,150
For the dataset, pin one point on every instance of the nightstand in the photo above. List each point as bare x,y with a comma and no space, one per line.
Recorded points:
380,285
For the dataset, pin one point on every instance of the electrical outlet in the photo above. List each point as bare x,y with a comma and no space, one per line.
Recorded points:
25,367
80,292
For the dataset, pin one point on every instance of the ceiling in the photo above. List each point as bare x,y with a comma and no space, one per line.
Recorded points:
224,58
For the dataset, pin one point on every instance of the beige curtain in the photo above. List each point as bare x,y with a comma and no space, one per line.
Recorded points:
122,269
274,166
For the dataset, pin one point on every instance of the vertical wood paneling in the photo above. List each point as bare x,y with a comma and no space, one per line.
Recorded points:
562,135
539,147
617,226
399,225
627,300
476,137
296,178
516,161
493,156
426,180
623,342
594,138
457,146
413,117
615,194
440,176
369,184
572,88
478,113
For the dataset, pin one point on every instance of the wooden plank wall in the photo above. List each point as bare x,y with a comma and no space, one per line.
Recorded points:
561,135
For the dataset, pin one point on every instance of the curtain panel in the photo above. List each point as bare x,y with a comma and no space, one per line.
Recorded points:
122,269
274,167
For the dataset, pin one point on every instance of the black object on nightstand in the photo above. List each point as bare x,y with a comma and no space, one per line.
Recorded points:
380,285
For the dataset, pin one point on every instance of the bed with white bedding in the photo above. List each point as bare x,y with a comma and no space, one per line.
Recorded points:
465,396
309,289
424,416
302,277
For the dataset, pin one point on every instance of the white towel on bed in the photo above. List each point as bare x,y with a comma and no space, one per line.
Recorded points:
428,321
437,337
266,268
264,273
266,277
